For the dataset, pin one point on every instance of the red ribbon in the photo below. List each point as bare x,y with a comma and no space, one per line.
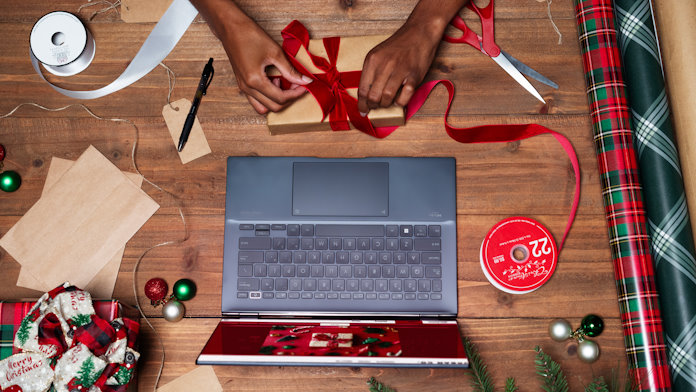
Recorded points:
328,87
329,91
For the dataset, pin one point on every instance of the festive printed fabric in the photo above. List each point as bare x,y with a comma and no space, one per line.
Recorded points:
332,340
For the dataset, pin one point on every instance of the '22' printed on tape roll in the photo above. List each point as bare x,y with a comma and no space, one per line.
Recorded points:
518,255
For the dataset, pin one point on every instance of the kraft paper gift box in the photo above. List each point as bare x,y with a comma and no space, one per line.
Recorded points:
305,114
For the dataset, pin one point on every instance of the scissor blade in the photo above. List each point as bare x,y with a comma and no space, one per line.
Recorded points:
519,78
525,69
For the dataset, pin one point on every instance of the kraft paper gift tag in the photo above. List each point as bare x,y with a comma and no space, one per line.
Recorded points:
102,285
139,11
203,378
197,144
73,231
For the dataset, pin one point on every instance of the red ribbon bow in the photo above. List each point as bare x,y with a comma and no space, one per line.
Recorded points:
328,87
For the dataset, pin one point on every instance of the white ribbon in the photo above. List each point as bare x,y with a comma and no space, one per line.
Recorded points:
156,47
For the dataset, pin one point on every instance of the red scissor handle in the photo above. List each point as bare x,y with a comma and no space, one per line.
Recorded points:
484,42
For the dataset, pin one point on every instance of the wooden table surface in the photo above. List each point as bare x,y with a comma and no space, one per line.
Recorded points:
532,178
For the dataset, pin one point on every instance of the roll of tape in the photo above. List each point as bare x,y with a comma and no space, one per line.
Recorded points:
518,255
55,58
62,43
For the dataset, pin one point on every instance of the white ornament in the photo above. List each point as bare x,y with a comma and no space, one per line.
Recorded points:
588,351
560,330
173,311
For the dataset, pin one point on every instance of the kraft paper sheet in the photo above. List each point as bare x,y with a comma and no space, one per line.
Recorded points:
102,285
73,231
203,378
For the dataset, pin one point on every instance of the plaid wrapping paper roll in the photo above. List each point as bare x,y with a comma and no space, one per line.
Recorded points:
669,225
628,238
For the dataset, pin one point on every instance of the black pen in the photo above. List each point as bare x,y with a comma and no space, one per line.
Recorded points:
206,78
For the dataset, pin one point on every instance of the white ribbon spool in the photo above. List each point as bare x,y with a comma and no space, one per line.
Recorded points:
62,43
74,54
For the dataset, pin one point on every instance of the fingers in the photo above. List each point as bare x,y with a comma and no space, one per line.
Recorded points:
290,73
366,79
382,89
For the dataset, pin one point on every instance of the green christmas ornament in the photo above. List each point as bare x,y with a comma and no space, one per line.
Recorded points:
10,181
592,325
184,289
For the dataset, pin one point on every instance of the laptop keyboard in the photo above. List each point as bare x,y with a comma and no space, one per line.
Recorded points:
339,262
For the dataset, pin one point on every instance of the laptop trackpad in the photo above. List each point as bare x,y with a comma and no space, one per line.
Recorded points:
340,189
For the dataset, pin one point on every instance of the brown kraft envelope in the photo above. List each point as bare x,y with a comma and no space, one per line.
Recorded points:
73,231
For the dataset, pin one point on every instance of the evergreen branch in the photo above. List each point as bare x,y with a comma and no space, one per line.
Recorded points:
481,380
510,385
376,386
597,385
550,372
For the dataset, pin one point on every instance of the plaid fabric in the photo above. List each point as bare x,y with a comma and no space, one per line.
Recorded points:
97,335
668,217
623,201
12,313
50,332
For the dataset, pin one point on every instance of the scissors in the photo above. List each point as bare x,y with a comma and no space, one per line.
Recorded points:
485,43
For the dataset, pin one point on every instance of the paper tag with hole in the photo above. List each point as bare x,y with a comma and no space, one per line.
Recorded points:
175,116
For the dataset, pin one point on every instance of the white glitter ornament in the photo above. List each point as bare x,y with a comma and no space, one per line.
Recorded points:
29,371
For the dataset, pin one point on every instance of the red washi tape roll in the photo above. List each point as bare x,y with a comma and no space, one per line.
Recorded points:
518,255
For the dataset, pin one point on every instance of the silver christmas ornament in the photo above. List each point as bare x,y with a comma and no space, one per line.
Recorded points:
173,311
588,351
560,330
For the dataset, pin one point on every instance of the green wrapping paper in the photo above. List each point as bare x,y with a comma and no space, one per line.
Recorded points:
669,226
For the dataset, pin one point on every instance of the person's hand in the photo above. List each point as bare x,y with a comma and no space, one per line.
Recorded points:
393,69
251,51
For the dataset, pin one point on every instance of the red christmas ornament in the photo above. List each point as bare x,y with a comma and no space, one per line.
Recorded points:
156,290
2,152
15,387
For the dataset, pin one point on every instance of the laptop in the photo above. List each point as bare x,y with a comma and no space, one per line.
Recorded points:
343,262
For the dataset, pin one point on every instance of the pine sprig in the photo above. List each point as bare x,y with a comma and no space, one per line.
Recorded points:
597,385
481,380
510,385
376,386
551,375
